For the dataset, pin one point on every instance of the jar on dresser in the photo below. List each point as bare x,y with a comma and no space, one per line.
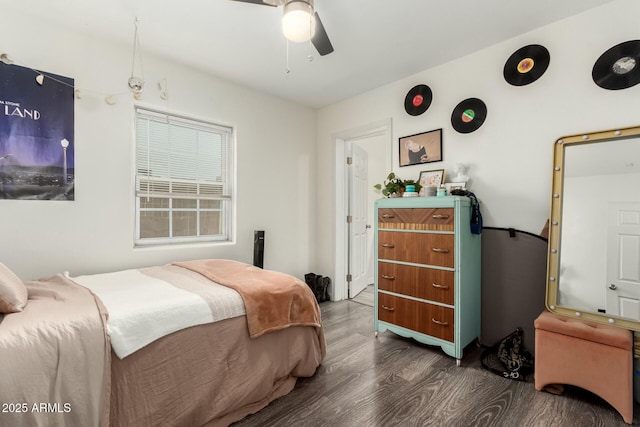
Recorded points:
427,278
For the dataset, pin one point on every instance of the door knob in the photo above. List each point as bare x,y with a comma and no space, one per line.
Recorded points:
613,287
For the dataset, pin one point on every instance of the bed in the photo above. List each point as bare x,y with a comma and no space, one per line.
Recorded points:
209,342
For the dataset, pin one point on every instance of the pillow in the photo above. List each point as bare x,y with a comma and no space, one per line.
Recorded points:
13,293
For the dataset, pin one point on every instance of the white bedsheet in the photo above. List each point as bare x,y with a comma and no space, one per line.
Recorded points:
143,308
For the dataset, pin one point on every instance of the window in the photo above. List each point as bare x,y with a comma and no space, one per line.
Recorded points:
183,180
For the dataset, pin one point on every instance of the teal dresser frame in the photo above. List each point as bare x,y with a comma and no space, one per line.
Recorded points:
467,265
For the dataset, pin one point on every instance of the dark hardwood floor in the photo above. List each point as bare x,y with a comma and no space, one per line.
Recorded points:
393,381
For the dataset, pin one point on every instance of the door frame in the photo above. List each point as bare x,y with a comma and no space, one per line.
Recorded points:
340,140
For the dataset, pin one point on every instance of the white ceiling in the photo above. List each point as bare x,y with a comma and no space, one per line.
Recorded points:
376,42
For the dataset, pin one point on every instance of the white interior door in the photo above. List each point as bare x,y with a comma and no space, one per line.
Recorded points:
357,218
623,260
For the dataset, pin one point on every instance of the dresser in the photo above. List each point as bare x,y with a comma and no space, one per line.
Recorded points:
427,278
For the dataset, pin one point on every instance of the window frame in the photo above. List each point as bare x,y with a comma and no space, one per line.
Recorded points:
227,198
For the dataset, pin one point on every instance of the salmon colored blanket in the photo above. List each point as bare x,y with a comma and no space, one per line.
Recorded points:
272,300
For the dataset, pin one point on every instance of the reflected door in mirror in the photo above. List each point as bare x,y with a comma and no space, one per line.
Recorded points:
623,268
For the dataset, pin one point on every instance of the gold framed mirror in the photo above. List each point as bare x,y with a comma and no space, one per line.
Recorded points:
593,266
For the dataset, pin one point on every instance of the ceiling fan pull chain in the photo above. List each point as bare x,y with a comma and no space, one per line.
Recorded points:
287,70
311,18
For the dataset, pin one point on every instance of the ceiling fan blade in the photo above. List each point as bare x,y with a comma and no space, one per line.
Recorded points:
320,39
255,2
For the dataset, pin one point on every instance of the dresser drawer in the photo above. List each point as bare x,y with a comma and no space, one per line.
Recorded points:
418,316
419,248
439,219
419,282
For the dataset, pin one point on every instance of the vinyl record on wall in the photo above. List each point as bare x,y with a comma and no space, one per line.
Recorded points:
469,115
526,65
618,67
418,100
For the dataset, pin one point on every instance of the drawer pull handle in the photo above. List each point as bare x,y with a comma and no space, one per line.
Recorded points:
384,276
388,245
438,322
440,250
388,308
435,285
439,216
388,216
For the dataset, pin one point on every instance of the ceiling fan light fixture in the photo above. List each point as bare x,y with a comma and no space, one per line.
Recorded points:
298,21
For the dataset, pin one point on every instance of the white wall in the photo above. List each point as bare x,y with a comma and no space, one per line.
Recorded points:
511,154
275,142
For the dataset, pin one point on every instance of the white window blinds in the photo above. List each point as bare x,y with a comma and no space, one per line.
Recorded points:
178,157
188,162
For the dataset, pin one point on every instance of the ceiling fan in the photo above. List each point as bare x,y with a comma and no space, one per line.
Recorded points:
300,22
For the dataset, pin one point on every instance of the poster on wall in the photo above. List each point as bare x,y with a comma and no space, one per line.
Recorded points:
36,135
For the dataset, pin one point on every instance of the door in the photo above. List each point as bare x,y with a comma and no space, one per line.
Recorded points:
357,220
623,260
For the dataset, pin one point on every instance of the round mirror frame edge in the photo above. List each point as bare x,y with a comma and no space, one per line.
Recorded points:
555,226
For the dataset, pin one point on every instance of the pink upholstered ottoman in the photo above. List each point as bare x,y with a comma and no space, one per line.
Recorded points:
595,357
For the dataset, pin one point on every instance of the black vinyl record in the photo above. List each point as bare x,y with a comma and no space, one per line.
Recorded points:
469,115
526,65
418,100
618,67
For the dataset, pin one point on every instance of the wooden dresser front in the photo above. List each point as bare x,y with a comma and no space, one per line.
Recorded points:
427,284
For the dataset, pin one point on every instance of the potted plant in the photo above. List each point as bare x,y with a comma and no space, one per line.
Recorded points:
417,185
394,186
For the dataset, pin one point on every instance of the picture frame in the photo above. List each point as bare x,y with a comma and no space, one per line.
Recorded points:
455,185
432,178
425,147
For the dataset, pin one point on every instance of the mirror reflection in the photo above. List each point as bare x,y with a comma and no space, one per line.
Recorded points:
594,258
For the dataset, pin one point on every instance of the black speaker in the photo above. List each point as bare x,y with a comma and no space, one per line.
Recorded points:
258,248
